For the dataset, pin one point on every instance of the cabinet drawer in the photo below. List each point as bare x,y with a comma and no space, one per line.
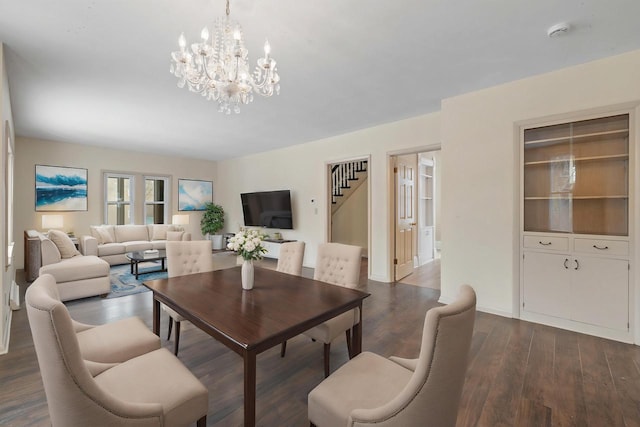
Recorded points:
601,246
547,242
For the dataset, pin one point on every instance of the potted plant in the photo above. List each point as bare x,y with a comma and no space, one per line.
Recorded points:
213,221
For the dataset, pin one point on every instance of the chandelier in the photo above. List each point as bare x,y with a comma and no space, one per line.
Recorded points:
219,69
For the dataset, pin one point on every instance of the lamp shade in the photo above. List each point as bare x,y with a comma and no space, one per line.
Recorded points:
52,221
180,220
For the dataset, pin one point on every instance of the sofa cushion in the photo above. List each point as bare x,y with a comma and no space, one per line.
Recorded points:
130,233
159,244
111,249
105,236
137,246
77,268
174,235
63,243
103,233
159,231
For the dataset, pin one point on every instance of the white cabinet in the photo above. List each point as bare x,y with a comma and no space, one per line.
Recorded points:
577,200
587,289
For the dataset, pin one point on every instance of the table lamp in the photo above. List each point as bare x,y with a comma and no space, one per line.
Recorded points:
180,220
50,222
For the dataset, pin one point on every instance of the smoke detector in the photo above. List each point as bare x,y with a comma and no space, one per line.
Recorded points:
558,29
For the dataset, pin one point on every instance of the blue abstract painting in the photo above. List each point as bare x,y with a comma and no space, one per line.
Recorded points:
60,188
194,194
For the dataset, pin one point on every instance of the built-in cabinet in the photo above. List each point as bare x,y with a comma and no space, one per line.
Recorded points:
575,266
426,212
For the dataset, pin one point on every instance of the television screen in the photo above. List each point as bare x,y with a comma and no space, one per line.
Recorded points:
271,209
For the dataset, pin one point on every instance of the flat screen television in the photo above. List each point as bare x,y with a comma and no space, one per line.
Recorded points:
270,209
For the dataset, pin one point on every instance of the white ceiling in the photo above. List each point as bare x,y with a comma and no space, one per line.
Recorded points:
97,71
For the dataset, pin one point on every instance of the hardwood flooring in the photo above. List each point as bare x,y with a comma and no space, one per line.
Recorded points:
519,374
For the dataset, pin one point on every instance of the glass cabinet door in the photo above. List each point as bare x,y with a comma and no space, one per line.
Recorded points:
576,177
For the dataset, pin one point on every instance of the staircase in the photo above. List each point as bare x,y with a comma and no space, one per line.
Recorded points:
345,178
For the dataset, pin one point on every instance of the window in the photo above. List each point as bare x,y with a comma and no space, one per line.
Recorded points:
119,198
155,200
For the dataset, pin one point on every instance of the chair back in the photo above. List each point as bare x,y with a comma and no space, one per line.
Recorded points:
189,257
338,264
74,398
434,390
290,258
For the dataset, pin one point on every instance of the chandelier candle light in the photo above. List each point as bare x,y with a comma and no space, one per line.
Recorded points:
219,69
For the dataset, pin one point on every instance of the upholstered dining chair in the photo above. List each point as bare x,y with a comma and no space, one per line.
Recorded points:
290,262
185,257
153,389
290,258
372,390
339,265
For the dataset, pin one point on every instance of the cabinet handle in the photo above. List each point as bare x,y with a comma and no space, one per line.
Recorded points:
601,248
544,243
577,264
566,260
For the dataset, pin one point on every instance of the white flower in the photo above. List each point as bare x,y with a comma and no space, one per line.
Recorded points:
249,246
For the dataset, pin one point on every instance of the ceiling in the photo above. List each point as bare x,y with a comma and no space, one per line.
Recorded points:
97,72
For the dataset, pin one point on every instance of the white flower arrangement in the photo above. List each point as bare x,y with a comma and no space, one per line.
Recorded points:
248,244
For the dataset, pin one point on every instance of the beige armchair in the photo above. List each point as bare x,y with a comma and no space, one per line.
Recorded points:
154,389
290,262
186,257
337,264
372,390
114,342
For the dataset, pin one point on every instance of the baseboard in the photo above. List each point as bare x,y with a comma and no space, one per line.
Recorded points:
488,310
4,349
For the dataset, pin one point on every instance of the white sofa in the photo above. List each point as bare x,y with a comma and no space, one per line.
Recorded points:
78,276
112,242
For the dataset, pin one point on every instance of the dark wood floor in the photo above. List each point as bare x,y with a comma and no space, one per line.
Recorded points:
520,373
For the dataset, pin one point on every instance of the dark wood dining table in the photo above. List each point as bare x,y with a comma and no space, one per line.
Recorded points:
279,307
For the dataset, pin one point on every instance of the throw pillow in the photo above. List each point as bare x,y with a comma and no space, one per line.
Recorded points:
173,236
105,236
63,243
160,232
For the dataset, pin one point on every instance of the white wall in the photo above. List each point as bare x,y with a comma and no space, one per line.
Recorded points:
350,220
480,154
301,169
8,273
30,152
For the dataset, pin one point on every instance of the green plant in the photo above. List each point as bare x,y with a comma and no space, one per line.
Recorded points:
213,219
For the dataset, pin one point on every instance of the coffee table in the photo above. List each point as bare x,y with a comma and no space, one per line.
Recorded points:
136,257
250,322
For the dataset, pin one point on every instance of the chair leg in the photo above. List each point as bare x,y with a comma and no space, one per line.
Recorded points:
202,422
283,348
327,352
170,326
349,348
177,341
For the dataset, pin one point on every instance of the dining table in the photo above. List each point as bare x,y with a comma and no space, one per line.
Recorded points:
279,307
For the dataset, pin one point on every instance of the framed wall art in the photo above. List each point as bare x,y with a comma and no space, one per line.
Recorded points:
60,188
194,194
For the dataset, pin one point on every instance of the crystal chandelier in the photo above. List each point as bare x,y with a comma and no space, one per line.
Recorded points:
219,69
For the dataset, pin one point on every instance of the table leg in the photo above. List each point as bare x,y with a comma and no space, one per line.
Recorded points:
356,339
249,389
131,262
137,264
156,317
163,264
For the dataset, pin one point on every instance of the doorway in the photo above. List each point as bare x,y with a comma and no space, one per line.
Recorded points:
348,200
415,196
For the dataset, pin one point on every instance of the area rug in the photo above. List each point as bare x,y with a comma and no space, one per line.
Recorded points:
124,283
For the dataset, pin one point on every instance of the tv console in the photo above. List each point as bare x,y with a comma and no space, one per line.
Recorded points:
273,247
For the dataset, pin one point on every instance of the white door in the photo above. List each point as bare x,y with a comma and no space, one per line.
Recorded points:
547,279
600,291
405,241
